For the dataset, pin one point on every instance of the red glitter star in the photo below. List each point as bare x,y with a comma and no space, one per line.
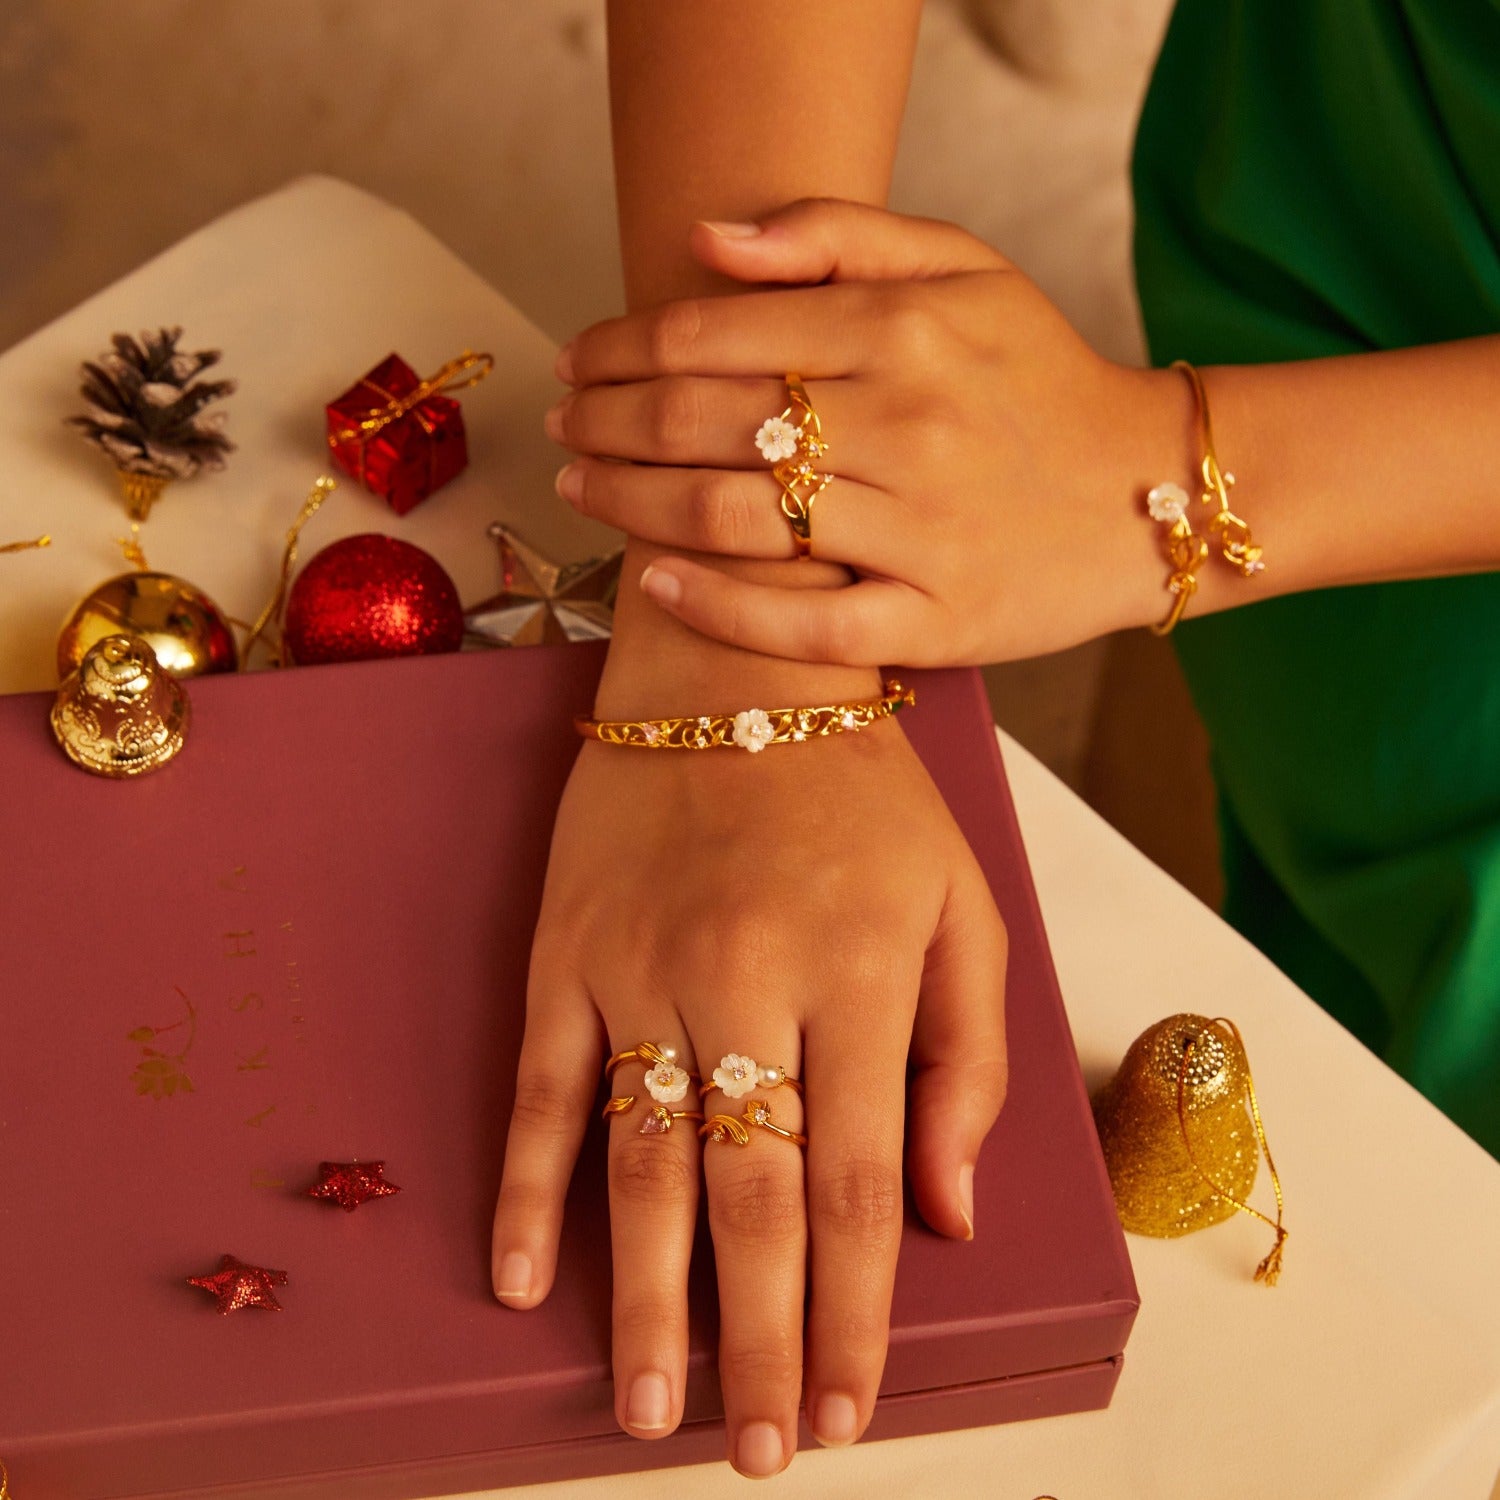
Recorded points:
236,1285
350,1183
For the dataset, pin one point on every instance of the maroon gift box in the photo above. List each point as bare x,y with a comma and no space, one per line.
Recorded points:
414,453
317,920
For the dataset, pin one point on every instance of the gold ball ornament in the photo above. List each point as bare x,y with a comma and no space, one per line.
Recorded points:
119,714
185,629
1182,1133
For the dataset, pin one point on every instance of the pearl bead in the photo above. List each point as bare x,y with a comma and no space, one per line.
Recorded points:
770,1077
670,1053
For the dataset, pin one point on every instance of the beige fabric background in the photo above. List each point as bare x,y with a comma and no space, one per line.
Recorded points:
125,124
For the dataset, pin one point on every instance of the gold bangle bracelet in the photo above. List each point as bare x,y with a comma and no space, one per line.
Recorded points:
1185,549
752,728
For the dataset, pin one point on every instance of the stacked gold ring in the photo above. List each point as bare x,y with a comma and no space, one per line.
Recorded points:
736,1128
665,1082
736,1076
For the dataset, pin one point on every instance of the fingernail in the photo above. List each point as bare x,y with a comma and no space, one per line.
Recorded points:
729,230
665,588
553,422
649,1407
966,1196
562,367
759,1452
513,1279
835,1420
569,482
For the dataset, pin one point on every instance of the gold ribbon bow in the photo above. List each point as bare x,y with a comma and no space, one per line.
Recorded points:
457,375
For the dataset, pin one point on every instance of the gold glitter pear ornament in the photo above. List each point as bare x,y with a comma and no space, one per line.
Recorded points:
1182,1134
120,714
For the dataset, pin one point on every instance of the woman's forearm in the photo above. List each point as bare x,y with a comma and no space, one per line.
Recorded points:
722,111
1362,468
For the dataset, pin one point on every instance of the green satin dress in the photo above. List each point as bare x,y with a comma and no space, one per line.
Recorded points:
1312,178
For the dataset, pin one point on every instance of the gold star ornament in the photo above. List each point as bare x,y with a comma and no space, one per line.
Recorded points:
543,603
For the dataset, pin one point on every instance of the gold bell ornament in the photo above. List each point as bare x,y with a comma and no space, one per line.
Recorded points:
1182,1133
120,714
188,633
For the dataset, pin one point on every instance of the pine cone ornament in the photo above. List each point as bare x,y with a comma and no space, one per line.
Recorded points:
145,410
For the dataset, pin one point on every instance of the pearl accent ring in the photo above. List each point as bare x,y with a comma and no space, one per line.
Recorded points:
738,1075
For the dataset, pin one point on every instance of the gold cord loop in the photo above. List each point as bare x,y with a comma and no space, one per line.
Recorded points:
41,541
322,488
1269,1270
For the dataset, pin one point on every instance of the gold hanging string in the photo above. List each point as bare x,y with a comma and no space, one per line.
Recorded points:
322,488
41,541
457,375
1269,1270
130,545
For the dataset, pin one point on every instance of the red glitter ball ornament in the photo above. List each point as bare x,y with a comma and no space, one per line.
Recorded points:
371,596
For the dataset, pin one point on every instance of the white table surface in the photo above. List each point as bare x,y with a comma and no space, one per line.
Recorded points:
1371,1372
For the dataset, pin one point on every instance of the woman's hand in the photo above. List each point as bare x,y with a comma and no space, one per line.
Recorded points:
990,467
813,907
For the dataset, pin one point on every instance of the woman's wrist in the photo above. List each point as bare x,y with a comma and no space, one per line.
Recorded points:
659,667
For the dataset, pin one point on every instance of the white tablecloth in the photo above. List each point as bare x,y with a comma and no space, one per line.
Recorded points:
1371,1372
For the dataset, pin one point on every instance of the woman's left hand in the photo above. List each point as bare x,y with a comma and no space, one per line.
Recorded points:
991,468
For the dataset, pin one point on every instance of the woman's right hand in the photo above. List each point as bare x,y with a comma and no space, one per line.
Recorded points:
991,467
816,908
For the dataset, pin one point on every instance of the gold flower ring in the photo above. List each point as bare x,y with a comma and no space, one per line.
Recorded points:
665,1081
793,448
737,1128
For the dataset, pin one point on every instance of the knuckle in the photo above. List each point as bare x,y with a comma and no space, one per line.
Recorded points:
742,940
673,335
720,515
526,1200
651,1170
545,1104
675,417
913,330
857,1193
756,1200
836,634
860,1334
731,623
766,1362
642,1319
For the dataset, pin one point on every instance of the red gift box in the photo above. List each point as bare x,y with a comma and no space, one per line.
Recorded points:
321,935
401,436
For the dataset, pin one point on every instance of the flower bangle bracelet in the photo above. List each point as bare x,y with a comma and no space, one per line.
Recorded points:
752,728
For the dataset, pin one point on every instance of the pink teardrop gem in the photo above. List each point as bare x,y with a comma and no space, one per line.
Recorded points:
658,1122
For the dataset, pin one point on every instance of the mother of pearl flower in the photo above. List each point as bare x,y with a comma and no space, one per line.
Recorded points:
776,439
736,1075
1167,502
753,729
667,1083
